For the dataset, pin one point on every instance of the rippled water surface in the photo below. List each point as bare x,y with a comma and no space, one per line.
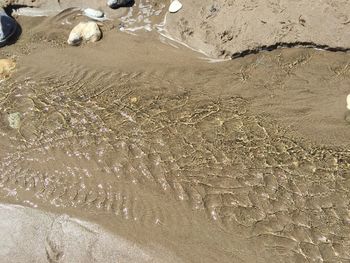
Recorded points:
256,147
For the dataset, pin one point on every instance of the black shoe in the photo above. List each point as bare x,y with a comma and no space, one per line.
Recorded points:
120,3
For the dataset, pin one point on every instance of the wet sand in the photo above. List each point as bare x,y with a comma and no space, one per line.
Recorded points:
30,235
239,161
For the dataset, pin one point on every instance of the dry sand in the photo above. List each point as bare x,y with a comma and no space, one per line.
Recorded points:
228,28
240,161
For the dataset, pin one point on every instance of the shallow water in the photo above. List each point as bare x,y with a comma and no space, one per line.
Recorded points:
244,160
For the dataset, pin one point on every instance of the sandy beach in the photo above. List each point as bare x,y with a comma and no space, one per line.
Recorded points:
214,134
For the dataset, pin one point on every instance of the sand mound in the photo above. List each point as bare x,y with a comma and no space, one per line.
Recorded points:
226,28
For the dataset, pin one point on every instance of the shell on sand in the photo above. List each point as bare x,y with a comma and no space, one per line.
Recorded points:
14,120
348,102
175,6
6,67
84,31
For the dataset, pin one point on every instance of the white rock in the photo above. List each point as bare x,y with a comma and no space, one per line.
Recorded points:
348,102
76,35
175,6
84,31
93,13
92,32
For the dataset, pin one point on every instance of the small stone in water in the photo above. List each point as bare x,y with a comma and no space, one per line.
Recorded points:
134,99
348,102
14,120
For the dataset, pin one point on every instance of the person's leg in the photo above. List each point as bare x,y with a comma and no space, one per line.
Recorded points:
29,3
8,27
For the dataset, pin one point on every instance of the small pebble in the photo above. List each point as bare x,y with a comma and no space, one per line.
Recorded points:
14,120
175,6
93,13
